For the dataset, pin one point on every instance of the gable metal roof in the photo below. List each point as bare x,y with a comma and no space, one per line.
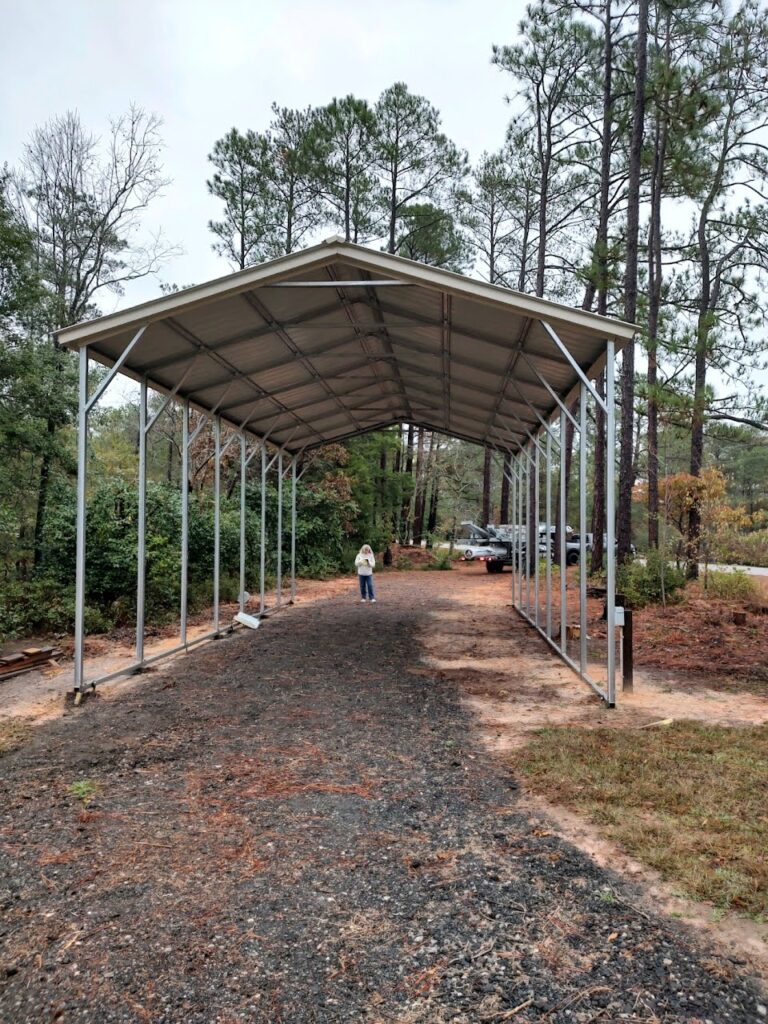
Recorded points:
337,340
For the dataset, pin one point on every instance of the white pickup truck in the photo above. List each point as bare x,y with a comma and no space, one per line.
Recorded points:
495,545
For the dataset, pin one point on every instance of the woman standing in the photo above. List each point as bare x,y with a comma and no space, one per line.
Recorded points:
365,563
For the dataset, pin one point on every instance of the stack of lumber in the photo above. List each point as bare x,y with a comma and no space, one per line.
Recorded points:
23,661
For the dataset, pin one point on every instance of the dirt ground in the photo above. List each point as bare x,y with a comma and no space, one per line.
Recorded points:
38,694
317,822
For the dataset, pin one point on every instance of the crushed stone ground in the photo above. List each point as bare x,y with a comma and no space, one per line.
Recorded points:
301,825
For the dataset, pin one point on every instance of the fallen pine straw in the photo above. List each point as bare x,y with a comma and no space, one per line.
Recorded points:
13,733
509,1014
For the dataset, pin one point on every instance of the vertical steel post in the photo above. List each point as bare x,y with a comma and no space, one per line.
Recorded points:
216,520
548,527
537,504
82,464
141,552
582,529
184,517
242,521
528,535
263,531
293,528
563,540
513,486
610,514
521,542
279,576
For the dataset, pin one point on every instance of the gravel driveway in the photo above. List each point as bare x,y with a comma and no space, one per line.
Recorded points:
295,825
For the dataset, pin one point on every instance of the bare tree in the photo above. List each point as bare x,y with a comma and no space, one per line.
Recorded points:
84,201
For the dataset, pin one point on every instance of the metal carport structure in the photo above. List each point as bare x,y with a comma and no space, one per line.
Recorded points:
338,340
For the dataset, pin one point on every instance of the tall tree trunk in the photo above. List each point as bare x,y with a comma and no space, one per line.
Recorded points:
598,495
601,282
626,457
693,539
392,241
418,503
381,488
396,510
405,512
433,504
432,472
506,470
486,509
655,277
655,272
43,489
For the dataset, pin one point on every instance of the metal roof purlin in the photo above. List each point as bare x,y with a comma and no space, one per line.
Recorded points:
186,333
512,361
259,307
362,335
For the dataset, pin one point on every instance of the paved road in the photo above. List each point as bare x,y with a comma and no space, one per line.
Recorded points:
753,570
298,825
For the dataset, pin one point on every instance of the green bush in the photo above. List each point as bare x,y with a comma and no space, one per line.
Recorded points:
97,621
649,582
40,605
439,562
734,585
44,604
742,548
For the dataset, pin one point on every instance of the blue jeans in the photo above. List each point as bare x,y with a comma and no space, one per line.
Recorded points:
366,586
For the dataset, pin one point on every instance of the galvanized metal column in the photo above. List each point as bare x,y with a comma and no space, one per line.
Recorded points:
263,533
610,513
279,577
563,539
537,504
82,465
513,485
216,520
293,527
184,518
520,499
141,551
243,465
582,529
528,534
548,527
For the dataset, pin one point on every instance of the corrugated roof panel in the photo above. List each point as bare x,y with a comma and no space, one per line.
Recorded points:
215,323
336,358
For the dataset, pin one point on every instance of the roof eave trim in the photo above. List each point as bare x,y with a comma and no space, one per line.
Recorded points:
320,255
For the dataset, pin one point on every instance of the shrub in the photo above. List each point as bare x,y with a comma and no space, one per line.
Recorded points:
742,548
325,545
733,585
651,582
439,562
40,605
96,621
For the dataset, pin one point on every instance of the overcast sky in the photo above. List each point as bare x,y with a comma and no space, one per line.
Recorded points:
206,66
